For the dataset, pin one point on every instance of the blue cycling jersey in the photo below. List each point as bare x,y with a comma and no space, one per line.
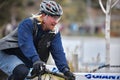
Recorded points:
26,44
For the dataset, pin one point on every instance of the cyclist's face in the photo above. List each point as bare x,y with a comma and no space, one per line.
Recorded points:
49,22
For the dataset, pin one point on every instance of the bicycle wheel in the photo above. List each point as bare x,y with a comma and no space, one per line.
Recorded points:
50,77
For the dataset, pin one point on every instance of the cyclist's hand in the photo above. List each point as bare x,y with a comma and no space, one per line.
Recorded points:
69,75
38,66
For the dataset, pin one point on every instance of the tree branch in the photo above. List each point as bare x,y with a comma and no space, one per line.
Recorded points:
102,7
114,3
2,4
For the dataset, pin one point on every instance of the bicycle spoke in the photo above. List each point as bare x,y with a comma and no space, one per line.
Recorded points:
44,77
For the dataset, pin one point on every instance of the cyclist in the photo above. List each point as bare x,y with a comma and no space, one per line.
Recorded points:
30,43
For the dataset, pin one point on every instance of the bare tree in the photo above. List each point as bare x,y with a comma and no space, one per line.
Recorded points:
109,5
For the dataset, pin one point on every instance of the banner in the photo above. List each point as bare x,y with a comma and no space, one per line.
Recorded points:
97,76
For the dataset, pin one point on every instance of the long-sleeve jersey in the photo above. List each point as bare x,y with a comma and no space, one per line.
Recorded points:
28,49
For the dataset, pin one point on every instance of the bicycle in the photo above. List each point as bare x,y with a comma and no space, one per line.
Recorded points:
83,76
46,74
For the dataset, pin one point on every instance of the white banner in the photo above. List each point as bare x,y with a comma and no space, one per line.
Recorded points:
97,76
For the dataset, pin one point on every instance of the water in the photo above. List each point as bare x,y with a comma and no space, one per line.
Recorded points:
91,50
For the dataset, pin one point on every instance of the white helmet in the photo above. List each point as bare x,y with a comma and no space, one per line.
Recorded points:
50,7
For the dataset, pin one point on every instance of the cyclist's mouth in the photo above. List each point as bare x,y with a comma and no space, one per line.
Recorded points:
53,24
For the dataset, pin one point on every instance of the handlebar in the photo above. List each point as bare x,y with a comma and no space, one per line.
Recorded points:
47,71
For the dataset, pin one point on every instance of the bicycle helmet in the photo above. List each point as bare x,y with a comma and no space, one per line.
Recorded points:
50,7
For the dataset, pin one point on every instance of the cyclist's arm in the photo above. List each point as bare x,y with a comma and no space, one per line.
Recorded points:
25,40
58,54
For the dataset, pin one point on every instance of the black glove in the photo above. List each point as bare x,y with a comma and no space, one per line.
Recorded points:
69,75
38,66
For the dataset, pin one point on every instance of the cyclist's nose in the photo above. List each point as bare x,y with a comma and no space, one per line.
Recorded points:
56,22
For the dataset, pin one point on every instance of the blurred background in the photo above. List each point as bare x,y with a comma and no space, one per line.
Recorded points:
82,27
